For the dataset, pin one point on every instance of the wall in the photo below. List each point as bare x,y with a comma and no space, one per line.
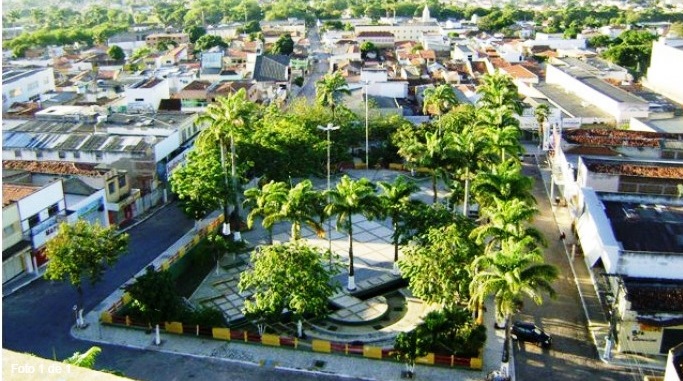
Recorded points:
91,209
664,74
595,233
11,226
38,203
23,89
650,265
151,97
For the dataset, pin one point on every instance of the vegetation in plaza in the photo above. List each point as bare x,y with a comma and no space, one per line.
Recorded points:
352,197
408,347
397,205
83,251
329,90
155,297
266,203
436,264
292,277
85,359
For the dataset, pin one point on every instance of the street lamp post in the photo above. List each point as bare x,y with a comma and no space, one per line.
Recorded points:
367,145
328,128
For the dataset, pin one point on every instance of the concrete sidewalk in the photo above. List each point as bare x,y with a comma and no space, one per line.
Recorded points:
598,324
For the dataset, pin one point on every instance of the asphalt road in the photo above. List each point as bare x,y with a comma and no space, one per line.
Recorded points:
37,318
573,355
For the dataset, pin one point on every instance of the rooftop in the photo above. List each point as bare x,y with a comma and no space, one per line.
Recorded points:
599,85
654,295
570,103
52,167
612,137
661,170
10,75
14,192
146,83
646,227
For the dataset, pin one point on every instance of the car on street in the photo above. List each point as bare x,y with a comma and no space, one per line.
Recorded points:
529,332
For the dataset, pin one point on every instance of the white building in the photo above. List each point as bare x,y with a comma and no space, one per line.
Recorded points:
618,103
146,95
464,53
378,85
409,31
16,251
555,41
665,75
23,85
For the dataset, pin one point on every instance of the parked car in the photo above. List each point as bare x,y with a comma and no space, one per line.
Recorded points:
531,333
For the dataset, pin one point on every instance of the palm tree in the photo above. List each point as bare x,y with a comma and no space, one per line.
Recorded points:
300,208
470,152
510,274
395,200
266,202
439,100
505,182
541,113
227,119
351,197
329,89
502,130
507,219
499,92
435,155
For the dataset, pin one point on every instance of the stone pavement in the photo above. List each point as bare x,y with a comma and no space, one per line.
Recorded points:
585,279
373,258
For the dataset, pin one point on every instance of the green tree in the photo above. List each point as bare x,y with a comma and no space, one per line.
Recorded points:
228,120
437,265
208,41
504,182
116,53
499,92
195,32
85,359
507,219
351,197
329,89
154,294
288,276
266,202
469,152
439,100
366,47
397,204
408,347
599,41
300,208
510,274
283,45
83,250
200,183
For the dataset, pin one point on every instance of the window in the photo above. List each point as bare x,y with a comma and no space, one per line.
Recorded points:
17,153
39,154
122,181
61,154
33,220
98,155
139,99
112,187
52,210
77,155
7,230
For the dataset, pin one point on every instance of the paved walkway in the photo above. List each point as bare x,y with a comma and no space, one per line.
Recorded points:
598,324
373,258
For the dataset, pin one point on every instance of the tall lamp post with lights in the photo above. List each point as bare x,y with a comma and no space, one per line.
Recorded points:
328,128
367,129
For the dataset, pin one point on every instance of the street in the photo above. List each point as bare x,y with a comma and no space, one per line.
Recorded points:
572,355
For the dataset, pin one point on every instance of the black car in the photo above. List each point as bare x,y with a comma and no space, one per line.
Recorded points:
530,332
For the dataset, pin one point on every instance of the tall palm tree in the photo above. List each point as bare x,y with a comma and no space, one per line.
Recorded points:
505,182
470,152
300,208
266,202
351,197
439,100
396,201
436,154
329,90
502,130
541,113
512,273
226,121
507,219
499,92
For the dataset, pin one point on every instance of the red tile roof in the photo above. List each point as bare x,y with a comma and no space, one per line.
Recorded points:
518,71
13,192
53,167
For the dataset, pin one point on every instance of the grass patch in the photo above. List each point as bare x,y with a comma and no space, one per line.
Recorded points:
200,263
